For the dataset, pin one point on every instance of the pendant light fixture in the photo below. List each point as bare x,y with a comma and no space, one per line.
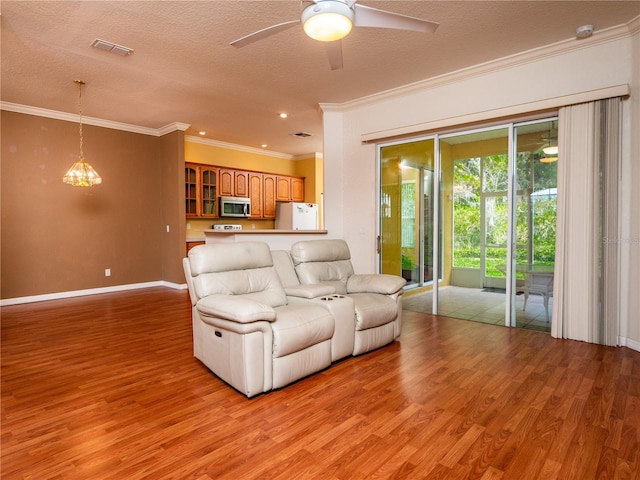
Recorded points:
551,150
81,174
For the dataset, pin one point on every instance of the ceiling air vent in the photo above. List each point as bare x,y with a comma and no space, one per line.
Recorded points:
301,134
111,47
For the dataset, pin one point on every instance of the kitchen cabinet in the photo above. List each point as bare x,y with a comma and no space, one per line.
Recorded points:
205,184
297,189
262,192
269,196
256,194
208,190
191,185
201,190
283,189
233,183
289,189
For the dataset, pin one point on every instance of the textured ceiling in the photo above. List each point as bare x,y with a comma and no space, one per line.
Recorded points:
184,70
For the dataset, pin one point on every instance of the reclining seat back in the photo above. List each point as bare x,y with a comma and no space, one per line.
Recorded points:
376,297
326,262
229,270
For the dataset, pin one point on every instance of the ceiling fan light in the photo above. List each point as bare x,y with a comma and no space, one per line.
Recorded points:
548,159
551,150
327,20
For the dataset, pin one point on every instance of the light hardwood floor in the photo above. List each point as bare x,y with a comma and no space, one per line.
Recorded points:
106,387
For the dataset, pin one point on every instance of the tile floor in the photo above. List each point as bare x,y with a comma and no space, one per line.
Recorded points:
481,306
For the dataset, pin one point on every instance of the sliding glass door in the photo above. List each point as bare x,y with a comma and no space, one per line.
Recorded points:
406,211
494,227
535,184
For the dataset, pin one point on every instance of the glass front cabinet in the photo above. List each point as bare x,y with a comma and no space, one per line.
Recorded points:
201,191
208,187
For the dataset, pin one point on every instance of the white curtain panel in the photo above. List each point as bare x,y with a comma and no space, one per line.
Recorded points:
586,269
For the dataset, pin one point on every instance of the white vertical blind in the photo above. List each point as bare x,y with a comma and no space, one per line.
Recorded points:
585,288
610,166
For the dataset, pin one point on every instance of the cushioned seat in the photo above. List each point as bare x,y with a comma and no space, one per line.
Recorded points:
373,310
298,327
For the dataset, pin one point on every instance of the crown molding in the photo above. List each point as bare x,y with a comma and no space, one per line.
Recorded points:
240,148
97,122
504,63
154,132
173,127
634,25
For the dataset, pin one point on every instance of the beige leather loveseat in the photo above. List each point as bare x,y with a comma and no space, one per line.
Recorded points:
257,335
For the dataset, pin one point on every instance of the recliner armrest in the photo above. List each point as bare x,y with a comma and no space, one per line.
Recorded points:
312,290
382,283
235,308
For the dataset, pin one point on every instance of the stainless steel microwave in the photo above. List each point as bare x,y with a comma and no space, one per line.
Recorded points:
235,207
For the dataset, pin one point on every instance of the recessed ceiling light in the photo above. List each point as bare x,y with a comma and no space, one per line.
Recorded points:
584,31
264,145
283,115
202,132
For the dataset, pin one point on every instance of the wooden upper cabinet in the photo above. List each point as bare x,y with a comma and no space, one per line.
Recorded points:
241,184
233,183
256,195
289,189
201,195
191,190
283,189
209,191
297,189
225,184
269,196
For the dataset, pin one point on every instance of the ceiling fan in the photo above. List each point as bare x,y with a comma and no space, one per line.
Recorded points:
331,20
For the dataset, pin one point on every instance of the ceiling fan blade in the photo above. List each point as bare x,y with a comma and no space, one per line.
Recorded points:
264,33
372,17
334,51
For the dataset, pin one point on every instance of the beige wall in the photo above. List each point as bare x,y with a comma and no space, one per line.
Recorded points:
58,238
244,160
171,160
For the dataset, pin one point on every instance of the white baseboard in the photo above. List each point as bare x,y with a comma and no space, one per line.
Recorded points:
629,342
89,291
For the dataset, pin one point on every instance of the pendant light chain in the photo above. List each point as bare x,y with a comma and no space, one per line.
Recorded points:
80,83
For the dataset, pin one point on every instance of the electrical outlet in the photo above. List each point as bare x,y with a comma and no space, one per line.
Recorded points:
188,226
107,272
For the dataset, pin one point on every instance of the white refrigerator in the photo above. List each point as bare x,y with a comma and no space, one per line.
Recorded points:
296,216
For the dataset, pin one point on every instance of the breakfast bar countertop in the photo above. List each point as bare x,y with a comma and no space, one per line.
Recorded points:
266,231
